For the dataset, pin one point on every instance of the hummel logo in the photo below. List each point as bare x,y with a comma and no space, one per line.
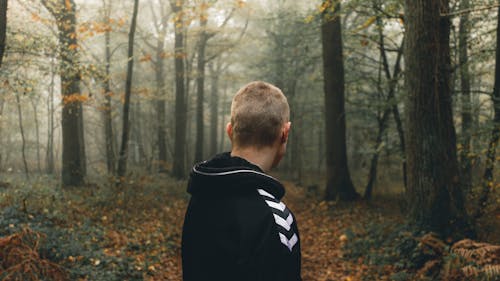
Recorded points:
283,219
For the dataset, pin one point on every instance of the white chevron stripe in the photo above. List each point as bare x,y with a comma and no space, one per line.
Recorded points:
265,193
280,221
289,219
289,243
280,206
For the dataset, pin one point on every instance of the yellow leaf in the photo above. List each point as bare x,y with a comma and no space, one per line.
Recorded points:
309,19
240,3
68,5
35,17
368,22
145,58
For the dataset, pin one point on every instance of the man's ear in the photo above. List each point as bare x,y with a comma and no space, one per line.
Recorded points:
229,130
285,132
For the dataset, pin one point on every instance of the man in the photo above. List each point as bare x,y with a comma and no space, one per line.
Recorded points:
236,228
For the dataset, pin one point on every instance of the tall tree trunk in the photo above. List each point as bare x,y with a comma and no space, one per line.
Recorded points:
140,156
73,158
49,157
435,198
339,182
37,134
488,180
123,156
295,165
160,104
3,27
393,81
463,58
180,104
402,144
23,139
200,91
2,103
108,111
214,107
3,33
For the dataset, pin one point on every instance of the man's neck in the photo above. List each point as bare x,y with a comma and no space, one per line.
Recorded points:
263,157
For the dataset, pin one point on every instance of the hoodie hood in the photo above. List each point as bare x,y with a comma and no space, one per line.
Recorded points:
227,175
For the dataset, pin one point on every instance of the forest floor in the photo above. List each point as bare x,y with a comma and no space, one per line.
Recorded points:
101,232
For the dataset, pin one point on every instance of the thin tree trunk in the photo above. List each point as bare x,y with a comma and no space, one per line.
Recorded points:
463,58
214,107
3,28
50,122
123,156
108,109
180,104
339,182
2,103
200,83
488,177
21,128
137,136
435,198
37,134
160,104
402,144
393,80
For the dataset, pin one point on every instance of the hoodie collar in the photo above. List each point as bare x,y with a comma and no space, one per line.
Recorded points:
231,175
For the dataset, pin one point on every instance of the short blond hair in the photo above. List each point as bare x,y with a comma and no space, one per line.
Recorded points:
258,112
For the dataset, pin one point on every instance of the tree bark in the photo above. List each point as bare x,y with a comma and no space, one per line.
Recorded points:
49,157
339,182
180,104
3,28
123,156
23,139
463,58
73,157
488,183
200,91
214,106
37,134
107,111
160,105
435,198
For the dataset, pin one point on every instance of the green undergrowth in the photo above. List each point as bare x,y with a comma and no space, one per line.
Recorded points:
75,224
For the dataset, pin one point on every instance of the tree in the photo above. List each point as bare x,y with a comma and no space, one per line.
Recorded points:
180,105
161,31
107,112
383,119
435,198
23,138
339,182
123,156
3,27
49,157
73,158
495,133
200,83
465,94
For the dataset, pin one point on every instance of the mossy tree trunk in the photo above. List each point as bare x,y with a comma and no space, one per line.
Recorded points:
73,154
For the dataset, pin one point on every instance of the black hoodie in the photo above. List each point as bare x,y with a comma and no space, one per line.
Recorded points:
236,228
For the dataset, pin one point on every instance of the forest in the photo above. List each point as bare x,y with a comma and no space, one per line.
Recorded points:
391,167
